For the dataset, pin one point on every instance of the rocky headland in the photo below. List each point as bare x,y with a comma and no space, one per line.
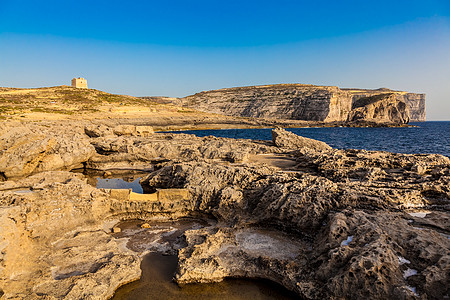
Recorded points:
311,103
324,223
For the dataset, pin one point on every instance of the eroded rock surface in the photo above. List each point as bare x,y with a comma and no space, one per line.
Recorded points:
383,108
25,150
285,101
285,139
336,224
54,243
415,102
127,151
343,208
309,103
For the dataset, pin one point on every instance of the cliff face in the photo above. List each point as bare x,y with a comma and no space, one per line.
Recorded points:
415,102
305,102
287,101
382,108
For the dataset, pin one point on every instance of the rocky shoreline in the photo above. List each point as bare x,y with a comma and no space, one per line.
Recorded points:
324,223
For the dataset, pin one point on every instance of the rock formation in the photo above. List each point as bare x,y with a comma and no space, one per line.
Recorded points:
282,101
382,108
350,224
415,102
55,241
285,139
301,102
26,150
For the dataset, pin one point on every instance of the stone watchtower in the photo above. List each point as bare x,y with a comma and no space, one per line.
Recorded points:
80,83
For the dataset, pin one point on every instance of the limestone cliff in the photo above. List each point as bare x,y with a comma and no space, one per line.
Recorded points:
286,101
299,102
382,108
415,102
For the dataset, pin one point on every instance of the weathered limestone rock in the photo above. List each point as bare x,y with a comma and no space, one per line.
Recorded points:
355,255
54,242
415,102
338,208
101,130
117,152
337,224
28,150
94,131
416,105
383,108
282,101
301,102
133,130
289,140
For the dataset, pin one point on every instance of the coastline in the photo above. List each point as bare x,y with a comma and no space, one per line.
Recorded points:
342,216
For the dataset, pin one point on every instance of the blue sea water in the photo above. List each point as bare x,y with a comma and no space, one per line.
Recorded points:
426,137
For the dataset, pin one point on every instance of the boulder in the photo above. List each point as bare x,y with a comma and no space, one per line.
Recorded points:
133,130
95,131
24,151
285,139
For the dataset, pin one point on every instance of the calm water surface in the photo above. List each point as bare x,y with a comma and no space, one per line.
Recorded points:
427,137
156,284
159,266
119,183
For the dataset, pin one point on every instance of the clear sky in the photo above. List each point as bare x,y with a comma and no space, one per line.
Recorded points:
177,48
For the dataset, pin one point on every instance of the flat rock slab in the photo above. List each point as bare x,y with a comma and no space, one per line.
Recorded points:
283,162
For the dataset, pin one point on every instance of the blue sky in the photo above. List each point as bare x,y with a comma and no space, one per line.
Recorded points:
176,48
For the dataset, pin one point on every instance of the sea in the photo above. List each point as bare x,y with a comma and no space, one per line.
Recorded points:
421,137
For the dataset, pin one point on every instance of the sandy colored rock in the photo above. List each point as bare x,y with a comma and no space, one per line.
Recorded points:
383,108
58,227
94,131
341,204
30,149
330,224
307,102
287,139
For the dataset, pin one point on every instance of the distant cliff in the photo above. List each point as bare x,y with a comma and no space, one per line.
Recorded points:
380,108
415,102
308,102
288,101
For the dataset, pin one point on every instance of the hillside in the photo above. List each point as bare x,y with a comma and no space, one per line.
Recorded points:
63,102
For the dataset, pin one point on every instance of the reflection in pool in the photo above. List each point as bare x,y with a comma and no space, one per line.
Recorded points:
156,283
158,268
119,183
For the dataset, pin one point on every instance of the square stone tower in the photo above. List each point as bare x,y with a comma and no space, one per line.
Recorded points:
80,83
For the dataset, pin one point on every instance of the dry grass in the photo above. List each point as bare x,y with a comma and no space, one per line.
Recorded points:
68,101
